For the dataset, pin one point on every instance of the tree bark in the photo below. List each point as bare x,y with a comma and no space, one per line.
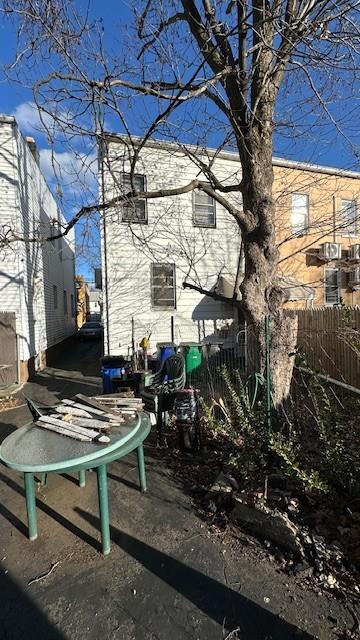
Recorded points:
261,295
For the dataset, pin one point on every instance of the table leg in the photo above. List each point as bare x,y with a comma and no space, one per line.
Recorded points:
82,478
103,508
30,505
43,480
141,467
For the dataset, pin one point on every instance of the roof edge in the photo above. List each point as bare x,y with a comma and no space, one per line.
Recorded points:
230,155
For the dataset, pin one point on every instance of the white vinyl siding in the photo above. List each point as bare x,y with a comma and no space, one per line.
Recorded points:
134,210
299,213
204,209
33,269
169,238
55,297
348,217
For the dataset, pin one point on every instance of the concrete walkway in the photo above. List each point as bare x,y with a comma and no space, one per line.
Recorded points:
167,577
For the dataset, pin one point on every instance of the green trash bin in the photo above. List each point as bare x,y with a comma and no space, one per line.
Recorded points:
192,352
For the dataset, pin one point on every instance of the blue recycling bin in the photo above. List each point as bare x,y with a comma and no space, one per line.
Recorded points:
111,366
165,350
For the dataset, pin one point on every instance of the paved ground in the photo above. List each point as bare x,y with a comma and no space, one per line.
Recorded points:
166,576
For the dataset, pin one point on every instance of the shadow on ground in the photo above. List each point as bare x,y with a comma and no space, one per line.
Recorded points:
223,605
20,616
75,370
166,577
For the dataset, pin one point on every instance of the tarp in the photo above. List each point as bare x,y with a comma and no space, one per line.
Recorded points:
293,290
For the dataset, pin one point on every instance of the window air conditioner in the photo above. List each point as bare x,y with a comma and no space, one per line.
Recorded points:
355,252
354,276
330,251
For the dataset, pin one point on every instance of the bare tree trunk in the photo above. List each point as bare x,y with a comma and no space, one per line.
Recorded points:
261,295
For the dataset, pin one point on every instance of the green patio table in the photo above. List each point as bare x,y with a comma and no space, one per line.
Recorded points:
32,449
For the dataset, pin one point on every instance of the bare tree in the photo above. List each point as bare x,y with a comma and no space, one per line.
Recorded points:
200,66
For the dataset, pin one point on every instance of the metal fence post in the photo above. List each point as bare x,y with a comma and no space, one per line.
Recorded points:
268,373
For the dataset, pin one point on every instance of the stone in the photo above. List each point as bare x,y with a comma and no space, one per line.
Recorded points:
303,569
220,495
331,580
234,483
319,565
275,527
293,505
222,484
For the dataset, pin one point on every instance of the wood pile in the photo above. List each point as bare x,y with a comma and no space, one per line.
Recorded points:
90,419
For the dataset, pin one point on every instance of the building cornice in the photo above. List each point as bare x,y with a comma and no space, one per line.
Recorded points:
233,157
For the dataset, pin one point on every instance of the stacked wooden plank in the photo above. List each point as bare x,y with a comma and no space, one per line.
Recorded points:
90,419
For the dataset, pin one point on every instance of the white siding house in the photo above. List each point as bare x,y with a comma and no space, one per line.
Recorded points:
150,248
36,278
95,303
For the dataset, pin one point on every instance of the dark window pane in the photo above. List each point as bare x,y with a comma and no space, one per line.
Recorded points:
133,211
203,209
163,285
332,292
348,216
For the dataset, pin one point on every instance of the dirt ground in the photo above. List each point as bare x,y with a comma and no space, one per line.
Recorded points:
167,576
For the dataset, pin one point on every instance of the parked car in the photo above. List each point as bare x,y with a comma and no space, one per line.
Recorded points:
90,330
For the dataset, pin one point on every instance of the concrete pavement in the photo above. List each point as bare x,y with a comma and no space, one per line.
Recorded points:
167,575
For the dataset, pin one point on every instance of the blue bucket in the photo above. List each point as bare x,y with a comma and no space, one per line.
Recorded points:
165,349
111,366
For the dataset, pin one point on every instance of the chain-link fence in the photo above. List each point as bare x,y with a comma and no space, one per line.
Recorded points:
232,355
328,347
316,432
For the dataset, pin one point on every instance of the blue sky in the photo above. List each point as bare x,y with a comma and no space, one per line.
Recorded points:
312,139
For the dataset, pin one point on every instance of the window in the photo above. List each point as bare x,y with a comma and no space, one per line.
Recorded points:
203,209
134,211
163,292
348,216
332,289
55,297
65,304
72,305
299,213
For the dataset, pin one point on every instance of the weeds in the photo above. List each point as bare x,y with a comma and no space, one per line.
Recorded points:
233,416
322,447
317,443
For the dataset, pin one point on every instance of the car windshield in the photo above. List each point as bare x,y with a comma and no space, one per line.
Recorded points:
92,325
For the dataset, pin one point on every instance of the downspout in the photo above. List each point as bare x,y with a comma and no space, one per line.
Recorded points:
20,261
101,148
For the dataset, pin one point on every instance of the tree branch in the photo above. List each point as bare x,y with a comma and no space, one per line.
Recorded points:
213,294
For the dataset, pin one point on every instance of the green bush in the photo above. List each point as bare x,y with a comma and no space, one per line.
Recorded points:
317,442
233,416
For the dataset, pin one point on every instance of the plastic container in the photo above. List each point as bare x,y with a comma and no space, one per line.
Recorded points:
132,381
111,366
211,349
193,356
165,350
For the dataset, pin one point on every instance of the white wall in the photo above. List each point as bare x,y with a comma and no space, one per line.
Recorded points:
199,254
95,302
11,270
37,266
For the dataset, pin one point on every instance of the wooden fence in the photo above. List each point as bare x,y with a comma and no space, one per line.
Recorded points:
329,339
